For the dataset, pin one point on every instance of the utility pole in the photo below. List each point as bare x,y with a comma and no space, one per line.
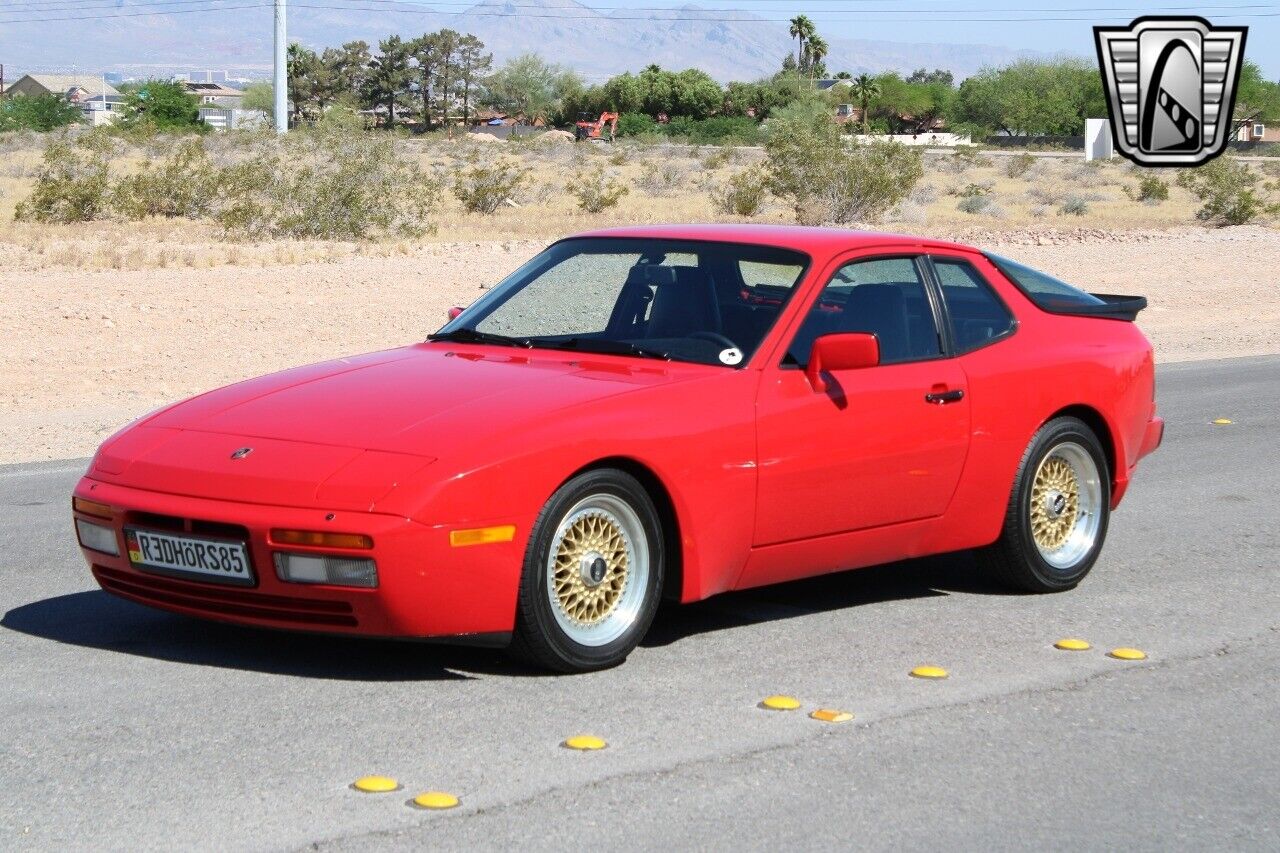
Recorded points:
281,73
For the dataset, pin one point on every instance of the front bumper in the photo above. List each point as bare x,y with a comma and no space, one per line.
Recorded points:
426,588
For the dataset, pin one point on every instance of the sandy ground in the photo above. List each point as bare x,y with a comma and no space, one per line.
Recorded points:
83,352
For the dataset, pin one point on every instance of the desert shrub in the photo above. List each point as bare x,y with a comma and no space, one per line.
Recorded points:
658,177
924,194
483,187
1150,189
1228,192
1018,165
596,192
1073,206
828,181
973,203
908,212
972,191
1045,194
335,180
743,194
720,157
72,183
180,185
966,157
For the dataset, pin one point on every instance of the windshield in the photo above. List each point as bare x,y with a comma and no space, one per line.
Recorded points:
704,302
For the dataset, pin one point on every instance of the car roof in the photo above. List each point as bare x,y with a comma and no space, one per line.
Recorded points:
803,238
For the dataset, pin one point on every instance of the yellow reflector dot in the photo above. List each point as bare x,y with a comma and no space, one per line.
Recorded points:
1071,645
482,535
1128,654
830,715
1222,421
928,672
375,784
780,703
435,800
585,742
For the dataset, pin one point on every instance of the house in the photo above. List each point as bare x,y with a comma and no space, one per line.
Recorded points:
215,94
99,101
232,118
101,109
76,88
1256,131
835,83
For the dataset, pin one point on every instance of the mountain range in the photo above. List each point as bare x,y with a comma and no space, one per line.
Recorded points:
597,43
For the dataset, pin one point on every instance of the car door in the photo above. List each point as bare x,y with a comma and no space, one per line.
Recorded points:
881,445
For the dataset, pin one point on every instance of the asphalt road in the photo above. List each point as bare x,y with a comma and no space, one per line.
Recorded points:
126,728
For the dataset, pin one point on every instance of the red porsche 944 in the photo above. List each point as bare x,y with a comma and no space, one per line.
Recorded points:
635,414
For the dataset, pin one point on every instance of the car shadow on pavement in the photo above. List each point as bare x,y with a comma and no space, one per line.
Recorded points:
96,619
922,578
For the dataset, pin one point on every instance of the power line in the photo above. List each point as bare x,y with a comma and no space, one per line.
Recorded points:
97,17
399,6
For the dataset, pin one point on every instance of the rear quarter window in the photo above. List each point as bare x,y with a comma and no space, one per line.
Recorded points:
977,314
1045,291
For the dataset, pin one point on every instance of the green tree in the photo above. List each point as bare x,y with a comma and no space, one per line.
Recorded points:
346,70
1032,98
387,82
801,30
301,66
473,64
38,112
865,89
912,107
937,75
815,55
1257,99
160,105
530,87
447,73
260,95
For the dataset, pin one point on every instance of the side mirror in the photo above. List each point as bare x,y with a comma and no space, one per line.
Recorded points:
842,351
455,311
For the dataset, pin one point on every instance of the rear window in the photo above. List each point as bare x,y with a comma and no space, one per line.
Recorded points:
1044,290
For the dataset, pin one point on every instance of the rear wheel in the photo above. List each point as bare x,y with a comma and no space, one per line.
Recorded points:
1057,516
592,574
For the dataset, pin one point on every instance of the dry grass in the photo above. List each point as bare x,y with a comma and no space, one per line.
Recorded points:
667,184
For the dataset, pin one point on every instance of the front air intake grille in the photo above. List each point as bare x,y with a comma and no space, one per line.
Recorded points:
220,601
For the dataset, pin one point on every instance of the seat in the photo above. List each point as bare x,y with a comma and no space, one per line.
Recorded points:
684,305
881,310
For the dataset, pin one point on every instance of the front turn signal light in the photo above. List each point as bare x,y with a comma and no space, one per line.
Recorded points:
317,539
92,508
482,535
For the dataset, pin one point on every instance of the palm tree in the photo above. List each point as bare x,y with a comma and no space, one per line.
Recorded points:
802,29
866,89
817,50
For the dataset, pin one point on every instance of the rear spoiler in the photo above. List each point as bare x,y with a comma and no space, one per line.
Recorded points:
1114,307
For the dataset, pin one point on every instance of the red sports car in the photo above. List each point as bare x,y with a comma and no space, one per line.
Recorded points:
635,414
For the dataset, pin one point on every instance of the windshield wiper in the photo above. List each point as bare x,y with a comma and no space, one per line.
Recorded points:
471,336
608,347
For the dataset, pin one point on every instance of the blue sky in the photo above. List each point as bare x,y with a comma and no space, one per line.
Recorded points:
960,21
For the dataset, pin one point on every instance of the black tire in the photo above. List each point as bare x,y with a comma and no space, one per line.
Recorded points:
539,636
1014,559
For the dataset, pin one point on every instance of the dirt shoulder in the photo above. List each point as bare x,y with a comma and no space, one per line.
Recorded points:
82,353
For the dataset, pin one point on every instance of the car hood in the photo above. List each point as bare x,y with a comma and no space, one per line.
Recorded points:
343,433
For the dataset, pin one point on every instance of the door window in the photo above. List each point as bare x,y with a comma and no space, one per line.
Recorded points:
977,314
883,296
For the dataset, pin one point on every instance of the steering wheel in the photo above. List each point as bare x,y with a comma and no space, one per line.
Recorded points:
714,337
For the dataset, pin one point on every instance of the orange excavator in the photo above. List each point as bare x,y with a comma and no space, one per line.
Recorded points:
586,128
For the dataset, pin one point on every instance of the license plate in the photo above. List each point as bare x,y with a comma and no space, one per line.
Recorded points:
219,560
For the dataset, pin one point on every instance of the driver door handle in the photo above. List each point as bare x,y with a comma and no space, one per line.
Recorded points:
944,397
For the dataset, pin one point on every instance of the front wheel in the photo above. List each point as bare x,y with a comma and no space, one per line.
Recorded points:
592,574
1057,516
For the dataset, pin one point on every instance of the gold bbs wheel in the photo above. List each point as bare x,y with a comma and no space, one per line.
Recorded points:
597,569
1066,505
